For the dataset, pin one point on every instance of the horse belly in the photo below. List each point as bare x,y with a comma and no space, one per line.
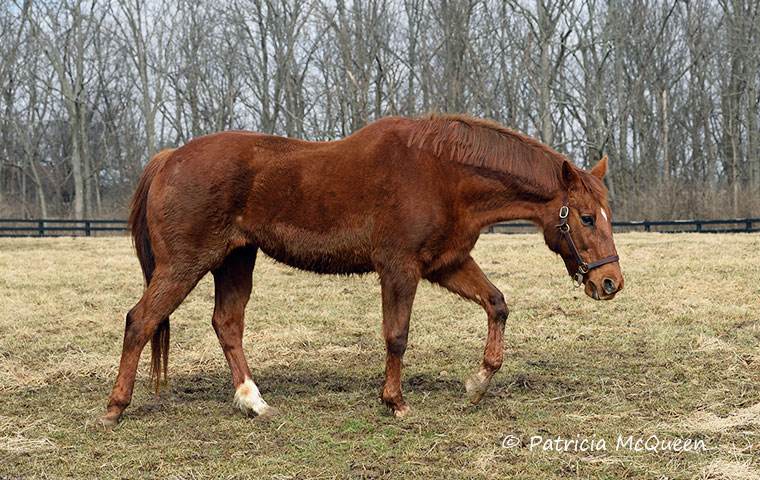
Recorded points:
338,251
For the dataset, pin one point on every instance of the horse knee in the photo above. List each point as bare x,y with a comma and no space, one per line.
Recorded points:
396,344
499,308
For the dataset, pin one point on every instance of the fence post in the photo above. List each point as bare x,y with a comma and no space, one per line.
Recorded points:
87,228
699,225
749,226
41,228
647,227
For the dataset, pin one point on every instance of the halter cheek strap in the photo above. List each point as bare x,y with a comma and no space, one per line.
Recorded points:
583,267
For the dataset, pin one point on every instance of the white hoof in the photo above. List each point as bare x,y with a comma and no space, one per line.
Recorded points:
248,399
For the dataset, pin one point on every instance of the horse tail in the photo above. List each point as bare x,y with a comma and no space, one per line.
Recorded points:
138,226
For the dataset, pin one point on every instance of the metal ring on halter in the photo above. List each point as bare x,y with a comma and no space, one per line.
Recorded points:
564,211
578,280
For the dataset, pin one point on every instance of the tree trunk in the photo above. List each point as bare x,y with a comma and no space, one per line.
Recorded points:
665,153
753,143
77,174
546,31
38,185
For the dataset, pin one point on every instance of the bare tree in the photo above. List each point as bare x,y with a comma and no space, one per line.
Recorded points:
550,30
64,31
667,89
146,30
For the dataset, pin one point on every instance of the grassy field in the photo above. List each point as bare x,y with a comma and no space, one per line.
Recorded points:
675,355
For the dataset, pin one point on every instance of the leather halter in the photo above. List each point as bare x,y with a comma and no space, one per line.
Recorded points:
583,267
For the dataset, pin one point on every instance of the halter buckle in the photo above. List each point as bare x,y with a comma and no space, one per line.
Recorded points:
578,280
583,268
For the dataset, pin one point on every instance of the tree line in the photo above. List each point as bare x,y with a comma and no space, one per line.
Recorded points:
668,90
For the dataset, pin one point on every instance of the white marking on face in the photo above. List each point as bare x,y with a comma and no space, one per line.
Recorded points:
603,214
247,398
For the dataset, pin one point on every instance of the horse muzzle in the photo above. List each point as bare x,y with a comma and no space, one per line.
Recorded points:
604,289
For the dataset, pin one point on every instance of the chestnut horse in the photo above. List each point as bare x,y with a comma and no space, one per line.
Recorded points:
406,198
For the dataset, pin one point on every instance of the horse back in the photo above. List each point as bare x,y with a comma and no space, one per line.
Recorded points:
328,207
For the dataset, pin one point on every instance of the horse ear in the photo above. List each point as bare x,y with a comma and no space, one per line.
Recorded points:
600,170
569,175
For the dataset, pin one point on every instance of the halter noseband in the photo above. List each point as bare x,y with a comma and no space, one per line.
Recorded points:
583,267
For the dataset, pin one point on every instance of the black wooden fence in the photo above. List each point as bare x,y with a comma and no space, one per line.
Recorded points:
10,227
57,228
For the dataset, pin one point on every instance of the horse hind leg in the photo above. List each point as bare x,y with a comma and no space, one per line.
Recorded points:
162,296
232,284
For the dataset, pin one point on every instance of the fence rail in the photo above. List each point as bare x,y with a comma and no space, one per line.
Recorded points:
10,227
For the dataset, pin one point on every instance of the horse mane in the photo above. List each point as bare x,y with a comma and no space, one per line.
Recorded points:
483,143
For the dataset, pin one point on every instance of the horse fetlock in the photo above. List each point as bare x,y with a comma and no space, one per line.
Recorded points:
397,407
476,386
394,402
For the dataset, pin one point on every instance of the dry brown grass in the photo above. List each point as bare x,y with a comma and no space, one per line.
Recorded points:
740,418
674,355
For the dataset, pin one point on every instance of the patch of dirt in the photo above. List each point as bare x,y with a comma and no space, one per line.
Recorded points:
431,383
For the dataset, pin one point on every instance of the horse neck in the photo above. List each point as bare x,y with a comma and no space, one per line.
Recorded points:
493,197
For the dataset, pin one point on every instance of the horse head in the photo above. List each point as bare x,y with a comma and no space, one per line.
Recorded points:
577,225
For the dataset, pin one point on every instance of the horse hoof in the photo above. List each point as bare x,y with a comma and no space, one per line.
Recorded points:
267,413
475,388
401,411
106,423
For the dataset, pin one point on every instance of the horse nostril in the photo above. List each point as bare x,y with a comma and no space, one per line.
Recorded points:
608,285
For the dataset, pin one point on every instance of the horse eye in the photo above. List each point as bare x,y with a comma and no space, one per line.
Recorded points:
587,220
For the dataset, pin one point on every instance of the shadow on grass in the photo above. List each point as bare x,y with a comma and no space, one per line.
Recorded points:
302,384
214,390
217,385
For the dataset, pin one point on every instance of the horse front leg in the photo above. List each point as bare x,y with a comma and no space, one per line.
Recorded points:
469,281
399,286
